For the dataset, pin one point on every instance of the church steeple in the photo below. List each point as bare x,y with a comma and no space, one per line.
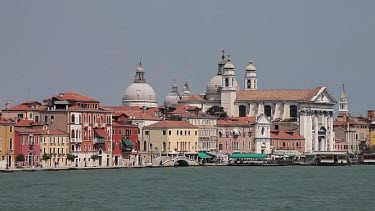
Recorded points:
221,64
251,81
343,105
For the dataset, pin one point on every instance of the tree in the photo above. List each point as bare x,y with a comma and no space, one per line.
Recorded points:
46,157
71,158
217,111
94,157
20,158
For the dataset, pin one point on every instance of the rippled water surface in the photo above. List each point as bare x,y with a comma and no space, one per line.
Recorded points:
192,188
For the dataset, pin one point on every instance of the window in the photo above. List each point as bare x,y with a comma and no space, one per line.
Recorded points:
52,119
11,144
241,111
145,145
196,133
164,133
267,110
46,119
226,82
276,127
146,133
73,118
248,84
293,111
170,132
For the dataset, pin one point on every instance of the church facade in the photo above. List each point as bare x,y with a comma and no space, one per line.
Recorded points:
310,111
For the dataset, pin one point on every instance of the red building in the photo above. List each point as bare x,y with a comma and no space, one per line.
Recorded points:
27,142
125,144
287,140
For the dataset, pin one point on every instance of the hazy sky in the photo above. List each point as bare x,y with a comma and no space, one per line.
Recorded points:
94,47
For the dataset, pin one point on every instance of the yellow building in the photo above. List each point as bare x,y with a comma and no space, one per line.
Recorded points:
54,143
169,138
6,143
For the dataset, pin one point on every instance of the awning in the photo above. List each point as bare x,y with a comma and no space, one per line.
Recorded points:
203,155
255,156
101,132
127,142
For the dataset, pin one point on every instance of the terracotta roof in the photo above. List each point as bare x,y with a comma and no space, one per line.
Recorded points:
6,121
287,135
237,121
20,107
24,123
192,98
38,123
31,102
122,109
171,124
53,132
284,95
73,96
27,130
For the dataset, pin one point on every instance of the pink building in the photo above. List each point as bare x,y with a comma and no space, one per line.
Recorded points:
235,135
340,145
27,142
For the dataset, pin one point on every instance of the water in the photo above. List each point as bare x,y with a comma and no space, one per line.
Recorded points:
192,188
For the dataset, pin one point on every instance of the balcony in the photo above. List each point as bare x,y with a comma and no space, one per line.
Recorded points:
75,140
99,140
102,125
86,124
95,125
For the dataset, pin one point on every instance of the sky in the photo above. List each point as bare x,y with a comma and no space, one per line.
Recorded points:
94,47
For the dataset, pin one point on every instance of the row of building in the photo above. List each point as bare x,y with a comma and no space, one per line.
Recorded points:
71,129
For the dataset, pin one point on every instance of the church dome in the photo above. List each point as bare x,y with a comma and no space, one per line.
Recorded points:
214,87
228,65
171,100
139,93
251,66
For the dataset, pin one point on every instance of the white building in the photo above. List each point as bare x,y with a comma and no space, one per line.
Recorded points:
311,109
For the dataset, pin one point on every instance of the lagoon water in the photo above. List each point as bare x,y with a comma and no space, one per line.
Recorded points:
192,188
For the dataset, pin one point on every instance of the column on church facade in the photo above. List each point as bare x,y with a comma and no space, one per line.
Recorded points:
332,134
260,109
286,113
316,138
278,108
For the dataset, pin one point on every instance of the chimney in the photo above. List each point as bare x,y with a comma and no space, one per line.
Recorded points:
7,105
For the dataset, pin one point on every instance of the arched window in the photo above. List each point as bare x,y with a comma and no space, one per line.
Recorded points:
267,110
73,118
293,111
144,146
241,111
73,134
226,82
164,147
248,84
80,119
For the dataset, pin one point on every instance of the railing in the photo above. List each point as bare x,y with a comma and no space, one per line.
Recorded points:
75,140
99,140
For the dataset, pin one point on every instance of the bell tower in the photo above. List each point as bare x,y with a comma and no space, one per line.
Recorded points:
228,91
251,80
343,104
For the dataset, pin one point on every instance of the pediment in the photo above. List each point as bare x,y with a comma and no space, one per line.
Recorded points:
324,96
262,119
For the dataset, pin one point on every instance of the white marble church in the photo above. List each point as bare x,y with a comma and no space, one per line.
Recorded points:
310,109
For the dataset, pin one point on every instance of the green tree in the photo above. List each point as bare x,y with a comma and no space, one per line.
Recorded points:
217,111
46,157
20,158
94,157
71,158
